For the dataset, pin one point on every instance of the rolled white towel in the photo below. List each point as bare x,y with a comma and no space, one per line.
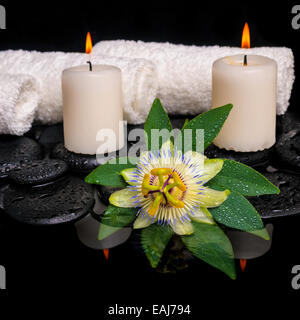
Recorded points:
138,77
18,103
184,72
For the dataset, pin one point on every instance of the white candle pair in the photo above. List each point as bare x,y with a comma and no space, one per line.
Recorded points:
93,100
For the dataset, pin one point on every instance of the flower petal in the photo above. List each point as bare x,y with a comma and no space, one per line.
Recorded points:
180,228
148,161
142,222
167,147
202,215
129,176
124,198
211,168
196,156
210,198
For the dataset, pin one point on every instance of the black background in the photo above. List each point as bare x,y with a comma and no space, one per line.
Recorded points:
43,260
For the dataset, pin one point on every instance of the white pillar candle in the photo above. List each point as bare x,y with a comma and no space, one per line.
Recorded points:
92,100
251,89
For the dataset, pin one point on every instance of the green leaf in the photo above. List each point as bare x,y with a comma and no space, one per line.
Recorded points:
157,119
108,174
243,179
236,212
118,217
186,121
154,240
211,122
210,244
106,231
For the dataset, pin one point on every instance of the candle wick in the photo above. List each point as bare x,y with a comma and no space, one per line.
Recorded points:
90,64
245,60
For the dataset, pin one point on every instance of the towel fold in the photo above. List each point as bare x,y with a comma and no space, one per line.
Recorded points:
18,103
139,80
184,72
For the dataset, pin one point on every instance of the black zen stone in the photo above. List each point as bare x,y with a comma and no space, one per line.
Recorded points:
254,159
284,204
65,200
15,151
38,171
52,135
36,131
76,162
177,122
288,150
287,122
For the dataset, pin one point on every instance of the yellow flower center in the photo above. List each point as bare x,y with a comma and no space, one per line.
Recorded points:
166,187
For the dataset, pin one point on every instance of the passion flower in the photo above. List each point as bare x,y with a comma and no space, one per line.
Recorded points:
169,188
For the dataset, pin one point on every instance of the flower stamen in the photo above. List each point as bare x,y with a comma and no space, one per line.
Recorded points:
146,186
155,204
166,183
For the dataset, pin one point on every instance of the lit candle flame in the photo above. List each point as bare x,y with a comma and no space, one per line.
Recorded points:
106,253
88,44
243,263
246,37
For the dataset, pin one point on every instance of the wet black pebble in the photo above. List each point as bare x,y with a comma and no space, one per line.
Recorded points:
47,136
15,151
287,122
284,204
253,159
36,131
52,135
178,122
75,161
68,199
288,150
38,171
